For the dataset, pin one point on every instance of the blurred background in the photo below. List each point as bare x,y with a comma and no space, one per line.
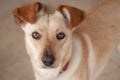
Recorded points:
14,61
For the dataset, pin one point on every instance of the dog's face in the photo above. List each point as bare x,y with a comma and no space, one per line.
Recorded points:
49,37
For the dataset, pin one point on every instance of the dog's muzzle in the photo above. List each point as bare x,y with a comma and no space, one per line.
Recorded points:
48,59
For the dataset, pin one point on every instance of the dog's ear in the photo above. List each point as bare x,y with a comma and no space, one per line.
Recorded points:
27,14
74,15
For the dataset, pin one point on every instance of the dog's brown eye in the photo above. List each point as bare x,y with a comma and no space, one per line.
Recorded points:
36,35
60,35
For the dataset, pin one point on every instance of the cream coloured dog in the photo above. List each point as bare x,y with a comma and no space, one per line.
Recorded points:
65,45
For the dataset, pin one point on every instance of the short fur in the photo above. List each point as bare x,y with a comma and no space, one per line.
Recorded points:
88,44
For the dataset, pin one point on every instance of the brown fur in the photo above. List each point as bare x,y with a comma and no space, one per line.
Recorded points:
76,15
27,13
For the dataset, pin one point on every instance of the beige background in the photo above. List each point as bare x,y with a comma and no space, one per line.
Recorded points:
14,61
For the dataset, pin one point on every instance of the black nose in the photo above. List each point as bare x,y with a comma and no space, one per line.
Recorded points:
48,60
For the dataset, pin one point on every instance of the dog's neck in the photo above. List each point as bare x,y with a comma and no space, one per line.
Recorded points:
75,59
54,74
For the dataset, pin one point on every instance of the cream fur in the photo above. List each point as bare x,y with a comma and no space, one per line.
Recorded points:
88,47
92,57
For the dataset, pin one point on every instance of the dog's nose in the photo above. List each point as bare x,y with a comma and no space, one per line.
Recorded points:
48,60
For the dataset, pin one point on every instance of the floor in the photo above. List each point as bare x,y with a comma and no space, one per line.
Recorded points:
14,61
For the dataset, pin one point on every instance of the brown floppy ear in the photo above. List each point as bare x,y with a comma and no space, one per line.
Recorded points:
27,13
74,15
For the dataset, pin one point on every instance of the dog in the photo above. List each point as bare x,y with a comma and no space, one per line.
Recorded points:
68,44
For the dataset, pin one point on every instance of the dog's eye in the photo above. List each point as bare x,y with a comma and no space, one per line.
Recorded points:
60,35
36,35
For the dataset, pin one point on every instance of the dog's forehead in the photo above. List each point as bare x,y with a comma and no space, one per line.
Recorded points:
56,21
51,21
47,22
42,21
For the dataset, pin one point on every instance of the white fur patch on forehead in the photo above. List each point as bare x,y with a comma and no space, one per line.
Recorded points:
42,20
56,22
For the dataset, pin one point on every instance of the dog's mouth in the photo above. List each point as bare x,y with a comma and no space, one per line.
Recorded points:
64,68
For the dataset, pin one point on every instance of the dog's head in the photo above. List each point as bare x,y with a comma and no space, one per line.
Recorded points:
48,36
